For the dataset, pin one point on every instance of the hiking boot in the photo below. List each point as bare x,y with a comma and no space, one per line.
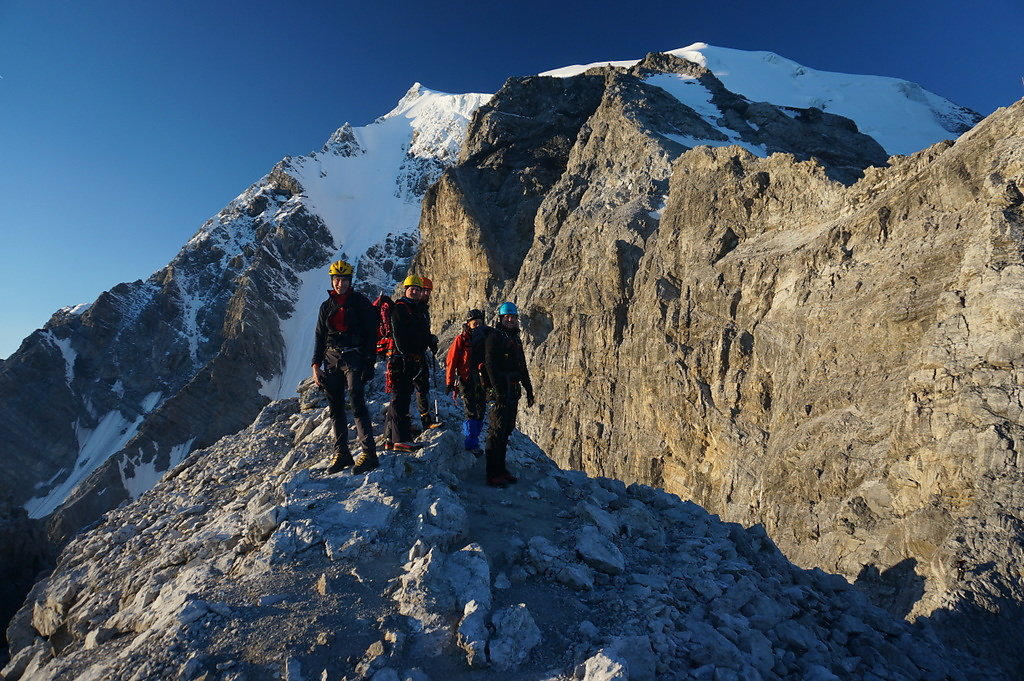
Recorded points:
407,446
509,478
342,460
496,481
367,461
476,452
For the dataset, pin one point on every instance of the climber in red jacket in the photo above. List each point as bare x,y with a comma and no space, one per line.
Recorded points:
464,375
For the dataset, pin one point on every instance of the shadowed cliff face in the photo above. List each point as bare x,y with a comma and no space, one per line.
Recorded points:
840,362
26,556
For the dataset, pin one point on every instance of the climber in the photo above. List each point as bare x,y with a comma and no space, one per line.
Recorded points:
411,336
343,357
463,374
422,383
508,376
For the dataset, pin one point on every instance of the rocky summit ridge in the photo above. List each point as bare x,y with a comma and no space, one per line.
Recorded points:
247,561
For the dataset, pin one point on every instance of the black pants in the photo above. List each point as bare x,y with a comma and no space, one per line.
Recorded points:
397,425
474,398
336,379
421,381
500,425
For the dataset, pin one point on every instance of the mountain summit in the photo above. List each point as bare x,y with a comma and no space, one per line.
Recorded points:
901,116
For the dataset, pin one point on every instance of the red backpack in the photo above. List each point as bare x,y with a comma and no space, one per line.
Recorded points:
385,341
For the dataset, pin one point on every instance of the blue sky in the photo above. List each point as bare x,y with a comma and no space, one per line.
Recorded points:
124,124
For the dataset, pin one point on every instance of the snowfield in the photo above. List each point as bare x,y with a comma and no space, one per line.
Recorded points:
366,189
902,116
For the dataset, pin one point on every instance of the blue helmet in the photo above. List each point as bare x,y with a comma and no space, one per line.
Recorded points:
508,308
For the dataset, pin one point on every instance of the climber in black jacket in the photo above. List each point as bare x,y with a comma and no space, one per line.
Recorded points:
343,357
411,333
508,376
422,381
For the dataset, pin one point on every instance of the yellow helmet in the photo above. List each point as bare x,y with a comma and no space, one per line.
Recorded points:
412,280
340,268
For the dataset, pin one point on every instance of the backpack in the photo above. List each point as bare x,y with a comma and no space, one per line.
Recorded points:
385,341
384,306
476,355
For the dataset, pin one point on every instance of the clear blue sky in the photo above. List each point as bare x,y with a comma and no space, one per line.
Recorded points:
124,124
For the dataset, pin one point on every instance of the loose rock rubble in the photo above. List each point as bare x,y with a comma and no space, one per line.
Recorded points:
249,562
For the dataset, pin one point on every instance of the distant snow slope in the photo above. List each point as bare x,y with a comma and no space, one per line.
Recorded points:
902,116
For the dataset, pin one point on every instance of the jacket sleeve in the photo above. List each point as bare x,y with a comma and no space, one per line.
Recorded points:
453,361
491,360
524,377
320,335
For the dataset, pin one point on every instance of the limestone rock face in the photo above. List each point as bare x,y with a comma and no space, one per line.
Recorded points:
547,150
837,360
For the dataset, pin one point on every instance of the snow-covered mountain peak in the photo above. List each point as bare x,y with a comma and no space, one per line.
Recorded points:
343,142
694,53
438,120
902,116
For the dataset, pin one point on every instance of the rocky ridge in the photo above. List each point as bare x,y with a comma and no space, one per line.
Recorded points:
836,360
247,561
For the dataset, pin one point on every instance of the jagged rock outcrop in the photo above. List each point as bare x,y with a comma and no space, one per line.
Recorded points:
542,147
837,361
385,264
249,561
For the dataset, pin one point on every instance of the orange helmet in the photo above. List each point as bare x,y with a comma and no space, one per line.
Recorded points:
427,284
